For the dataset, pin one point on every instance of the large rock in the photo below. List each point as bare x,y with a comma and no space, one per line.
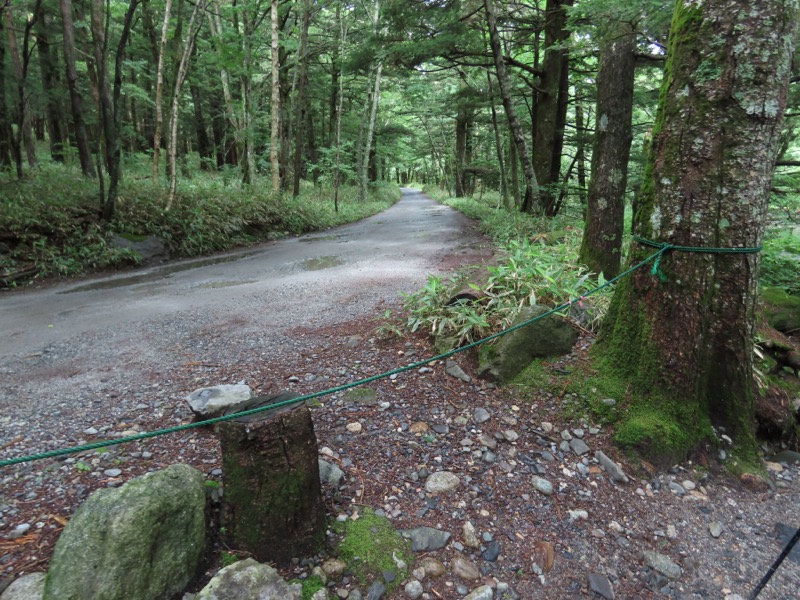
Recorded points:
249,580
550,336
211,402
781,310
143,540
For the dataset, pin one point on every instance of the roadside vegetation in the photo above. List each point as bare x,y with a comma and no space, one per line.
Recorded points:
50,222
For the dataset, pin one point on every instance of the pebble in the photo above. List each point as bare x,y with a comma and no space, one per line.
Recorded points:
577,515
90,431
611,467
578,446
481,415
677,488
354,427
463,568
483,592
426,538
541,485
546,427
471,535
492,551
112,472
601,585
432,567
663,564
413,589
715,529
442,482
688,485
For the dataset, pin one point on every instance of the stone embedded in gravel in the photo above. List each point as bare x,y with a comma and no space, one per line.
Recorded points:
662,564
463,568
488,441
609,402
492,551
441,429
330,473
212,401
489,457
754,483
432,567
376,591
426,538
419,427
112,472
354,427
790,457
480,415
715,529
18,531
27,587
413,589
677,488
672,532
442,482
334,568
601,585
510,435
546,427
578,515
451,368
688,485
566,435
470,535
611,467
541,485
578,446
483,592
90,431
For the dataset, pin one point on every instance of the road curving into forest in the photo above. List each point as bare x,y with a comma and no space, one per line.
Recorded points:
326,275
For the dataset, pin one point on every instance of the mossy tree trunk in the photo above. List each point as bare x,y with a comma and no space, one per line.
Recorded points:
272,506
602,237
686,343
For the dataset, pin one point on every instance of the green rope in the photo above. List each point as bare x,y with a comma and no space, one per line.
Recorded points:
665,246
160,432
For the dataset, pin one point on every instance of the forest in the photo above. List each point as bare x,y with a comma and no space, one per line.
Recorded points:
212,124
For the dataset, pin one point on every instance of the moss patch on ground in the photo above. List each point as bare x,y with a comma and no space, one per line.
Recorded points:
371,547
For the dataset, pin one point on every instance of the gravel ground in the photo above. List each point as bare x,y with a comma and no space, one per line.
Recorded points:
104,383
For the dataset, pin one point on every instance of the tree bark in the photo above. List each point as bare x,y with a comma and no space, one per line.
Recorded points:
531,201
602,236
183,67
48,62
301,96
162,56
273,506
204,146
275,104
5,122
551,104
686,343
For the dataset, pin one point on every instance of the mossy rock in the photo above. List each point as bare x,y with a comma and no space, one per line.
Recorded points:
371,547
361,395
781,309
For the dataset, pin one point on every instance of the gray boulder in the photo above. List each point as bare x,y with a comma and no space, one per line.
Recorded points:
143,540
249,580
151,249
550,336
210,402
27,587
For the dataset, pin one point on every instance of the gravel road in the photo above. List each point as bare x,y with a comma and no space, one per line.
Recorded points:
111,356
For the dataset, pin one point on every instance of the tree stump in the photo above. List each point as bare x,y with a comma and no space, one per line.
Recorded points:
272,504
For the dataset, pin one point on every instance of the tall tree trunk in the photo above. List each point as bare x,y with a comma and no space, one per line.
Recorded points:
506,199
188,48
686,343
5,121
461,150
532,201
204,146
580,154
363,179
602,236
339,104
551,103
275,104
48,67
162,57
20,62
110,96
301,96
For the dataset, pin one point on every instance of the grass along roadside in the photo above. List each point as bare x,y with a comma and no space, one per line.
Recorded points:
50,226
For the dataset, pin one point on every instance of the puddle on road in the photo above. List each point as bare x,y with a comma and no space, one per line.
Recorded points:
322,262
159,273
213,285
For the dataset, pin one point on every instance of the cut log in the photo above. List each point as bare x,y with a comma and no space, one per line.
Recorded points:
272,505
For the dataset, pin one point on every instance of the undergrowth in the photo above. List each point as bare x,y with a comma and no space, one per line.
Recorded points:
50,221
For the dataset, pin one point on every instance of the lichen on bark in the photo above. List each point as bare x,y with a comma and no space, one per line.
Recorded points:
686,343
